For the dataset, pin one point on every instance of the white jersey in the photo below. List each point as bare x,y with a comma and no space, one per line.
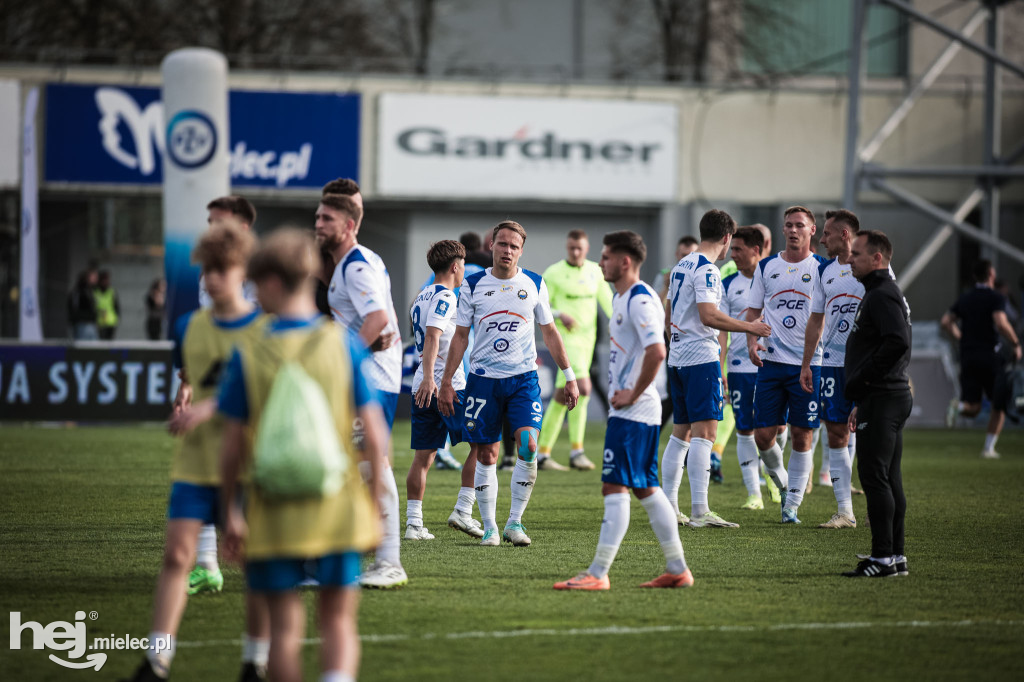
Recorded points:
638,321
734,304
694,280
783,291
837,294
248,290
435,307
360,286
502,313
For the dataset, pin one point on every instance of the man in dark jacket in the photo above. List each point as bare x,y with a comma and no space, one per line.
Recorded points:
877,356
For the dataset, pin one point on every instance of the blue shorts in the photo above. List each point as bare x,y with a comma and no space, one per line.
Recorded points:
430,428
741,396
631,453
489,402
834,405
388,403
277,575
696,392
778,390
191,501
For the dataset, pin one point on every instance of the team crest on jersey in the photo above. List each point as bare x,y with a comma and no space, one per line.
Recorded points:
521,294
618,319
806,277
442,307
470,424
332,286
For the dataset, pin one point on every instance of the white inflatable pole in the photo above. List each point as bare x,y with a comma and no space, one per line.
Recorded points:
195,102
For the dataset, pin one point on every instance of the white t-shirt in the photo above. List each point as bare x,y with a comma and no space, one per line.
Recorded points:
638,321
360,286
783,291
734,304
693,280
837,294
502,312
435,307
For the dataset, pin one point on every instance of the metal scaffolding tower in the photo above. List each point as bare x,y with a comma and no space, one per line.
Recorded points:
996,168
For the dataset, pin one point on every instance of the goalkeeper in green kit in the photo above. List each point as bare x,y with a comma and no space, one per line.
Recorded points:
576,287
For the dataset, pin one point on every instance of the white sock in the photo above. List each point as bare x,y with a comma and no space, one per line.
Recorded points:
206,554
672,469
990,441
698,462
414,512
666,529
800,466
467,498
841,473
255,651
886,560
486,481
523,478
852,447
336,676
782,438
772,458
391,540
746,453
613,529
161,662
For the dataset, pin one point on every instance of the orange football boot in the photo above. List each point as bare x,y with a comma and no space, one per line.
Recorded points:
684,579
585,581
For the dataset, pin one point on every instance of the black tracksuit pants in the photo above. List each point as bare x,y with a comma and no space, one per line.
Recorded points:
880,420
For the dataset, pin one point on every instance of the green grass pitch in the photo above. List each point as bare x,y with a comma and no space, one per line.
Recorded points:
81,528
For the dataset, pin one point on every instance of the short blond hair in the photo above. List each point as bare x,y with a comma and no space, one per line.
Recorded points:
222,246
287,253
508,225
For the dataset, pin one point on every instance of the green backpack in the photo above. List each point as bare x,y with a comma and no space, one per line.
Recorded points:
297,453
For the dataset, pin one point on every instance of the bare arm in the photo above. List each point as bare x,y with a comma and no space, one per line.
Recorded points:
232,459
812,335
711,316
372,327
723,353
446,395
431,345
553,340
654,355
1004,327
948,323
752,345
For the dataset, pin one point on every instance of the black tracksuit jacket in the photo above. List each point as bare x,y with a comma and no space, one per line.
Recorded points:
878,349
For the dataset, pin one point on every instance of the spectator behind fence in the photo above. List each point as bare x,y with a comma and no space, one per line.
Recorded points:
108,308
82,307
156,298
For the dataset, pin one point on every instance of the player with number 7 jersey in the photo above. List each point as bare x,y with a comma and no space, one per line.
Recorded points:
502,304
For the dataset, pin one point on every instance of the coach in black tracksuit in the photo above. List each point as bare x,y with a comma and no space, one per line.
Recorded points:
877,355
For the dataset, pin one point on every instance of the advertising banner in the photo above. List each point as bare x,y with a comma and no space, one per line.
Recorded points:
86,382
10,132
115,135
30,327
527,148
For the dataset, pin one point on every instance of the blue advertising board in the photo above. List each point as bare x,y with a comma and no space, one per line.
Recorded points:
115,135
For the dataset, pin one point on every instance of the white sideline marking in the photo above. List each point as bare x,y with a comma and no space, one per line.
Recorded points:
621,630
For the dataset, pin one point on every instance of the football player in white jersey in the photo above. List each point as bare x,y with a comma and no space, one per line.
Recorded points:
837,294
636,331
781,290
695,369
360,299
501,304
433,324
741,378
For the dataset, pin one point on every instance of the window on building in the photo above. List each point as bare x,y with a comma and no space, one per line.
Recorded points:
812,37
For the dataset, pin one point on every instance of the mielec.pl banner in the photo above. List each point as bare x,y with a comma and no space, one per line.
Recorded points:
526,148
29,324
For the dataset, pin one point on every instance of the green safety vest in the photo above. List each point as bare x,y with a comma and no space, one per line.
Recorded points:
106,313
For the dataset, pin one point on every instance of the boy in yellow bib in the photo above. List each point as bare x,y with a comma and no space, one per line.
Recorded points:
280,538
203,343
